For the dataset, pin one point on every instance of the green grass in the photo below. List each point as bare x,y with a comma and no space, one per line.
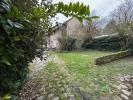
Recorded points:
53,81
97,80
78,69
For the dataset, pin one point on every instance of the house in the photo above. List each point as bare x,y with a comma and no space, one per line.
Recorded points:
72,28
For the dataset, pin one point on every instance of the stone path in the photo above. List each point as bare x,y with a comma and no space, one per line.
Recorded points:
125,88
37,64
57,85
34,89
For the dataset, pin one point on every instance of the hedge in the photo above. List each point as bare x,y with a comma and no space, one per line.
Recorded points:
109,43
18,47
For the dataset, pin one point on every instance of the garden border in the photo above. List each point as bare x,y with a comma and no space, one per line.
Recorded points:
113,57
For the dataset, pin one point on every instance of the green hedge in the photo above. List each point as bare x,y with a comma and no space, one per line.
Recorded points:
17,48
109,43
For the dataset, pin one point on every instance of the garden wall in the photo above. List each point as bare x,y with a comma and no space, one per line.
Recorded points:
113,57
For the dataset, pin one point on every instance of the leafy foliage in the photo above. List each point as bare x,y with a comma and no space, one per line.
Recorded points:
23,26
124,21
74,9
13,64
67,43
109,43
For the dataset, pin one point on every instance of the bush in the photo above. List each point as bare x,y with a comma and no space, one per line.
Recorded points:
109,43
67,43
18,47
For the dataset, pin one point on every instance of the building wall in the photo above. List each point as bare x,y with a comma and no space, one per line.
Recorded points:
53,40
74,29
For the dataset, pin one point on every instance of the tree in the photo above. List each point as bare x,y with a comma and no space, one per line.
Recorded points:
110,27
23,26
91,28
123,16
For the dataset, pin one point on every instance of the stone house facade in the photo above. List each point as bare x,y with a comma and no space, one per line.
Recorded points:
72,28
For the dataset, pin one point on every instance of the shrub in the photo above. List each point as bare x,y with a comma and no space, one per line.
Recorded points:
110,43
20,42
15,50
67,43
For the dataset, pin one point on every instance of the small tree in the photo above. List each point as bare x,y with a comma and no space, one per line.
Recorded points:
123,16
91,28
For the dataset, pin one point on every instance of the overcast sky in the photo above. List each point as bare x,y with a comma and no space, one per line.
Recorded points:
102,7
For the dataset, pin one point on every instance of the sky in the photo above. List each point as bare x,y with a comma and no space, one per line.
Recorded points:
101,7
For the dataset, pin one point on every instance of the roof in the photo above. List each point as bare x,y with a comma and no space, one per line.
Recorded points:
56,27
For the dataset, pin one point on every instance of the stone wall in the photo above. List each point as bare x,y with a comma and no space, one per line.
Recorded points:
75,29
112,57
53,42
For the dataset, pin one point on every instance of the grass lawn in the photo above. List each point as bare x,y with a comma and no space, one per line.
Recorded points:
70,70
96,80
